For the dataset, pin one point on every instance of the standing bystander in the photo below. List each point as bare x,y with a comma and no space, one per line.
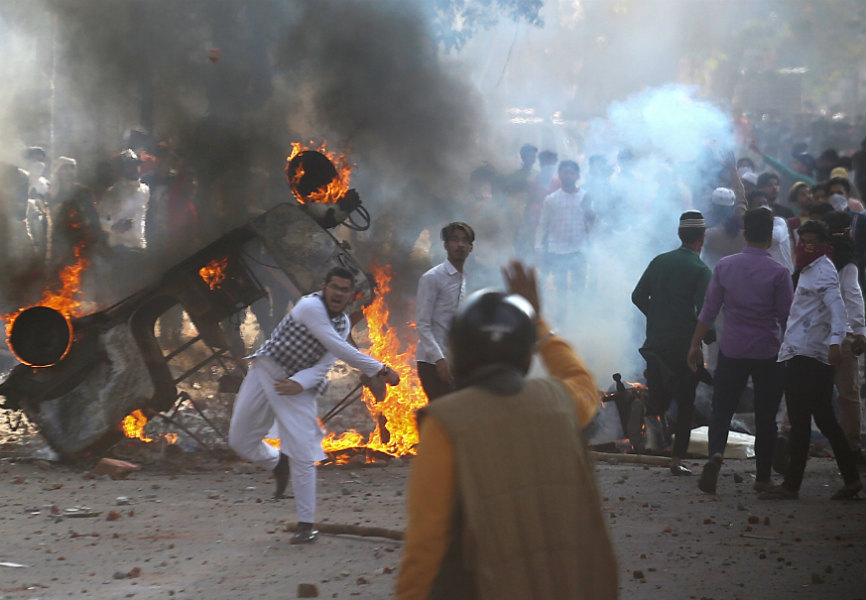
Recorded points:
123,207
754,293
440,291
38,218
811,348
671,293
562,235
847,377
768,182
74,217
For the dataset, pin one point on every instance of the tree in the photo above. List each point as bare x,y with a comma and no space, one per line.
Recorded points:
455,21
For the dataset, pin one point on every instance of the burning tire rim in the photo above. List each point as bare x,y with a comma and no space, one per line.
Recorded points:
40,336
308,172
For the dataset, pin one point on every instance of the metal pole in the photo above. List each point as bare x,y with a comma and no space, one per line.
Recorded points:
52,106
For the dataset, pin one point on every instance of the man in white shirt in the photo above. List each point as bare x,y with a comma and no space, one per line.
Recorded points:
440,292
812,346
848,371
780,246
123,207
287,373
562,234
122,210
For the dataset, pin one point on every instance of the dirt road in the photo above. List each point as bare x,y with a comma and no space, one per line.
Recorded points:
196,527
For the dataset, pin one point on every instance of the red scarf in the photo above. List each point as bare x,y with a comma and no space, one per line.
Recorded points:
804,256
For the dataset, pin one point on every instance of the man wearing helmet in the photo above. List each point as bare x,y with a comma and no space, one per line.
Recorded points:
502,499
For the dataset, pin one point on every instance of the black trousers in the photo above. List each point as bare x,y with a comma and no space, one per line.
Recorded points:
809,393
730,380
434,386
676,384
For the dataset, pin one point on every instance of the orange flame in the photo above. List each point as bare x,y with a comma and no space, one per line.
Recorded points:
214,273
133,428
65,300
397,410
338,186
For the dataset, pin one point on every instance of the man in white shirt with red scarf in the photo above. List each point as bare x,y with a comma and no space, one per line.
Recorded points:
809,353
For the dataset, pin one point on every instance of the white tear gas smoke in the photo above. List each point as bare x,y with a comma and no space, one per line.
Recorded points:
662,152
670,147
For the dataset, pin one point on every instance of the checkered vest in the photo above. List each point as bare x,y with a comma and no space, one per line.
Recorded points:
295,348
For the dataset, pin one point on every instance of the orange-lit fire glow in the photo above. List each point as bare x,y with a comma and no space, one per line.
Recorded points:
338,186
65,300
133,428
214,273
397,410
636,391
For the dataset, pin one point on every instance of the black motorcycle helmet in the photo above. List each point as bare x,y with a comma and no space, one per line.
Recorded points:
492,328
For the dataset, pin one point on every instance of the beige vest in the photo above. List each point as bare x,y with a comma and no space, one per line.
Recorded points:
528,514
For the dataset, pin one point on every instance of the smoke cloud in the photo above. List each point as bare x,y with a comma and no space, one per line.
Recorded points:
678,144
232,83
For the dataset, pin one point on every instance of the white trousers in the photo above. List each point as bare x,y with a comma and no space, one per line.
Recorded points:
257,407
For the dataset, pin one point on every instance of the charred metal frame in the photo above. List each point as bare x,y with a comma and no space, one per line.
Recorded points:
115,364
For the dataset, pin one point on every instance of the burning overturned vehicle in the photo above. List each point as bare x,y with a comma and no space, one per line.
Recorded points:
83,371
86,371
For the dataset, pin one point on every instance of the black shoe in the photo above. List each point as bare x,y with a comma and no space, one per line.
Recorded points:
778,492
305,534
763,486
849,492
680,471
710,475
859,457
281,475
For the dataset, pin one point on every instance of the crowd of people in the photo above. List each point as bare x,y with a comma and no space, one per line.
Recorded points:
143,199
782,305
139,213
564,215
765,286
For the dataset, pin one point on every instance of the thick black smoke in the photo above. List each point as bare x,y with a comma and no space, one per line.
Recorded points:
233,83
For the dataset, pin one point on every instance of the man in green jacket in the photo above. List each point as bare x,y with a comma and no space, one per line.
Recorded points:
670,293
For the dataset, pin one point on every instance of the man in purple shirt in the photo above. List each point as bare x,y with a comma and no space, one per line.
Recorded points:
754,292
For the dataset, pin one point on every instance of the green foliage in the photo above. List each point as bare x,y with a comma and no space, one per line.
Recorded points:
456,21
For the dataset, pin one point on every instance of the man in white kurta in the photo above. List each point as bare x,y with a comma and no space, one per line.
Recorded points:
280,389
123,207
